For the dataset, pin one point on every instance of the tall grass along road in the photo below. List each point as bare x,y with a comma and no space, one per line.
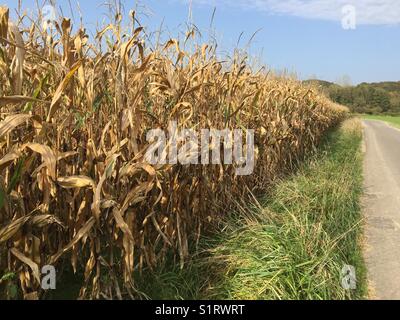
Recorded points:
307,230
382,203
292,244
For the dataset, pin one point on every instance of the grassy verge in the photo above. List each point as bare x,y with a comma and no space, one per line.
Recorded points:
393,120
306,231
291,245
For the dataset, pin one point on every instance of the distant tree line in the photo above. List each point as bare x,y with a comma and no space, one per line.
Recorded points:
371,98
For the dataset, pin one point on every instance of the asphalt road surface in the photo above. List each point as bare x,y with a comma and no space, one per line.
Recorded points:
382,209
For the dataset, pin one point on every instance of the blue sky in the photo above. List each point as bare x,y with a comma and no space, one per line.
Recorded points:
302,36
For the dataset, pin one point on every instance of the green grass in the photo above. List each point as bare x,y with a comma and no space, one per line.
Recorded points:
393,120
292,244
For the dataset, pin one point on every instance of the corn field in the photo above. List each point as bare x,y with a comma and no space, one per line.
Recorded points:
74,186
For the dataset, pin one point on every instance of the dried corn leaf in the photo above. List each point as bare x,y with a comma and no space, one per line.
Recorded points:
75,182
48,157
122,224
84,231
34,267
18,99
9,158
12,122
18,70
61,88
41,221
10,230
4,12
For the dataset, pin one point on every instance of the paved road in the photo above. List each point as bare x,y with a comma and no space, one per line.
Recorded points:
382,209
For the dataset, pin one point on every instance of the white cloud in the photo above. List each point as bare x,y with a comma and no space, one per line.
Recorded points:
375,12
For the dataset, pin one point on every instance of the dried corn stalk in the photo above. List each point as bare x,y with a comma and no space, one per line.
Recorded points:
73,182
